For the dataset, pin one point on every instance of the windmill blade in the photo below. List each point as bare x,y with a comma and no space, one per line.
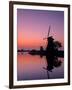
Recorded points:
49,30
48,33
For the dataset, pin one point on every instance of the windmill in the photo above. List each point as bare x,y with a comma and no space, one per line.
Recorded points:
48,33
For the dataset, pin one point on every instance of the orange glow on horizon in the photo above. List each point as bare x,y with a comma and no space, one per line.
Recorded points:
32,27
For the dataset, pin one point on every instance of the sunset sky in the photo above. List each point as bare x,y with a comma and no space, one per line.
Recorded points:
32,27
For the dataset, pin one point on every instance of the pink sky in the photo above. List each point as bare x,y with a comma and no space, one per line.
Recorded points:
32,27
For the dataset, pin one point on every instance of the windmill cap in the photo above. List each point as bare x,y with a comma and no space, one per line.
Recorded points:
51,38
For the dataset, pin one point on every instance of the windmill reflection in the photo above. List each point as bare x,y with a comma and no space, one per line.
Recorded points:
52,62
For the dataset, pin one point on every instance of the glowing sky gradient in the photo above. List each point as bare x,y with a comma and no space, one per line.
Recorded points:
32,27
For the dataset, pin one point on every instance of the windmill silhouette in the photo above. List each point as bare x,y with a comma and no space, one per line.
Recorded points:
50,42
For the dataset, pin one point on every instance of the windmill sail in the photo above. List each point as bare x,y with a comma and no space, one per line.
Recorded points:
48,33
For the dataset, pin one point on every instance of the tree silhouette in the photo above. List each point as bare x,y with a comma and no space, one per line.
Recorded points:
57,44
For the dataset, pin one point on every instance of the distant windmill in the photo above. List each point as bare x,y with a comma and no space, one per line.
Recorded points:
48,33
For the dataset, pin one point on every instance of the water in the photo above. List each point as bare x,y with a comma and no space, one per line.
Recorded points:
31,67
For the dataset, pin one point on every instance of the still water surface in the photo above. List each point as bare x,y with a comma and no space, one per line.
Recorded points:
31,67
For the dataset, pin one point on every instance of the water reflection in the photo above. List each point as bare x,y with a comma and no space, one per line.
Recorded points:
52,62
35,67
